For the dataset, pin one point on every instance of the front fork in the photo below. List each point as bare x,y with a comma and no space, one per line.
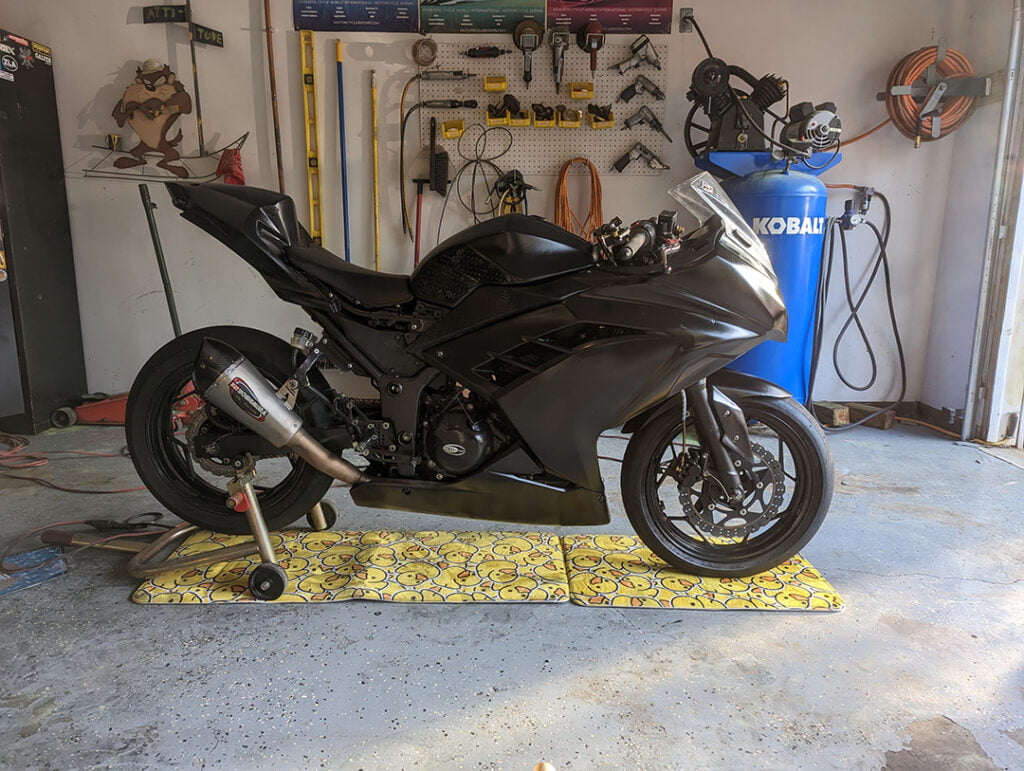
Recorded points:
723,427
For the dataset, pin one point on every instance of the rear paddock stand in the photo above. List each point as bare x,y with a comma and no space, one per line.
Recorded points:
268,580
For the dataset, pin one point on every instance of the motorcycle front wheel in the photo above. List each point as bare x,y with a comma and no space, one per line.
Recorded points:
680,511
164,405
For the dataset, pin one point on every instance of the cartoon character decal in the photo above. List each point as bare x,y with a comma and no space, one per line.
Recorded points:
151,106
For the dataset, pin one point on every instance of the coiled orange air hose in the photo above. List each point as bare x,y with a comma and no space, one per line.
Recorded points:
564,215
904,110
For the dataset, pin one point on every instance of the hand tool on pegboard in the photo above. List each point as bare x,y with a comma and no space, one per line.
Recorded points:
438,163
640,150
543,147
590,37
310,116
645,117
430,76
527,37
486,52
641,51
642,85
434,104
559,43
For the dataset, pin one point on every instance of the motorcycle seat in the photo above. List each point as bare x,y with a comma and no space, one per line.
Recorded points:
361,286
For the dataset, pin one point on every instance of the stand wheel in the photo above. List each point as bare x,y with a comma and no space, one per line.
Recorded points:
64,417
268,581
330,515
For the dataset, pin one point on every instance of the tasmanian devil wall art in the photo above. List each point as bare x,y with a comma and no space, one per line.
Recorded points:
150,106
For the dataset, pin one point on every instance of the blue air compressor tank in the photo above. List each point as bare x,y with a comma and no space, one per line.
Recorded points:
787,211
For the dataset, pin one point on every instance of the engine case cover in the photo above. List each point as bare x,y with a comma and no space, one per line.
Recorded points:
458,445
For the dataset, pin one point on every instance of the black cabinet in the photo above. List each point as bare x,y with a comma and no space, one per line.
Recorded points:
41,362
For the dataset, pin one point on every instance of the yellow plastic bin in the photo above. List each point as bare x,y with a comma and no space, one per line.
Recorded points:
570,119
495,83
453,129
581,90
525,118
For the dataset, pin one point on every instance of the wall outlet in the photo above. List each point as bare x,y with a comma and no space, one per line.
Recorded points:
685,25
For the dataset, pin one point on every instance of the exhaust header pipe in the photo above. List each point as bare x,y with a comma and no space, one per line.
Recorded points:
231,383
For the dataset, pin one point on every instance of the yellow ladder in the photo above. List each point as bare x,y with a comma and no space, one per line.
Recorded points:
311,112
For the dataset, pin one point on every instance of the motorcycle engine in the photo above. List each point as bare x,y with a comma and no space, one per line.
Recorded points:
460,439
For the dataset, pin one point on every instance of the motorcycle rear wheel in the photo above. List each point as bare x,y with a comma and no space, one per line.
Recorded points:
664,451
287,490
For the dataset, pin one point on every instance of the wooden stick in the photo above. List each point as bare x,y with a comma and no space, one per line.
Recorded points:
273,97
195,78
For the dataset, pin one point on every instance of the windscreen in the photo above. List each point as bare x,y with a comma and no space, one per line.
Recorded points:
703,197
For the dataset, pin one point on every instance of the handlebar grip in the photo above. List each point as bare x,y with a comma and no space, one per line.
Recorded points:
636,242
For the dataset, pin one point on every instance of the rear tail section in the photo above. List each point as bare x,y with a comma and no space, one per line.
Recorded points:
259,226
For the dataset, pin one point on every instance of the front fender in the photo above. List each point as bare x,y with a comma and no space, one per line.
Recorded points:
734,385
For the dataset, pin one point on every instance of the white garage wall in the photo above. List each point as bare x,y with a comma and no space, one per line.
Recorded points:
964,223
828,51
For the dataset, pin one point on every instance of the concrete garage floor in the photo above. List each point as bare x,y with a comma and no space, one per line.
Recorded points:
924,669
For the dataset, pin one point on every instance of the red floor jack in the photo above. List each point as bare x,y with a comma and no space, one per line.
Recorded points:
104,410
97,410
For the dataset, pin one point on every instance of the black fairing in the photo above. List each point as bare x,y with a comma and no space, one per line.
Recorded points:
514,249
610,348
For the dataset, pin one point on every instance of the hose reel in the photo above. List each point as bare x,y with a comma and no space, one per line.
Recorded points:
932,92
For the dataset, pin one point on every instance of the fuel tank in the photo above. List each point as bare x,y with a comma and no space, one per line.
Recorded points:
509,250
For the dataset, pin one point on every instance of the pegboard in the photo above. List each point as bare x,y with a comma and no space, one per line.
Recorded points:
543,150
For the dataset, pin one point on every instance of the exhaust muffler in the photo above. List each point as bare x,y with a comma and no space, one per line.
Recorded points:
230,382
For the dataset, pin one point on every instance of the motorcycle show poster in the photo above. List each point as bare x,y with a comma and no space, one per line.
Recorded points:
355,15
477,15
650,17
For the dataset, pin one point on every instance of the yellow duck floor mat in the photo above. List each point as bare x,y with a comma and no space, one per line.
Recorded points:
483,566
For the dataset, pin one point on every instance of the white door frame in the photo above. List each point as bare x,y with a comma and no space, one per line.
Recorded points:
995,382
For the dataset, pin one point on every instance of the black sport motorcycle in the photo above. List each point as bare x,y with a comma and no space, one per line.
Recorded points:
495,367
